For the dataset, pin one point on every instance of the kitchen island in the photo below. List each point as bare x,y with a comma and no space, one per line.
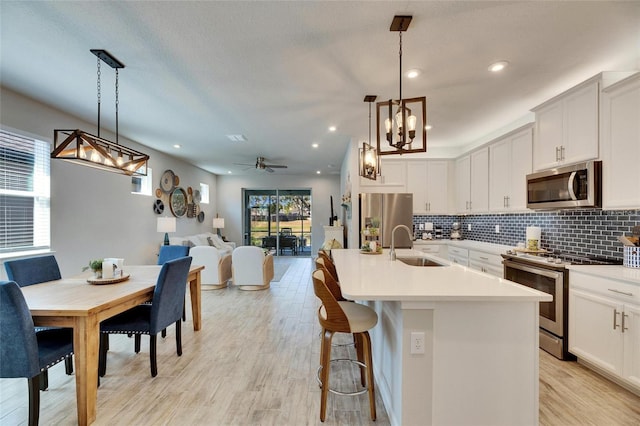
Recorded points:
480,340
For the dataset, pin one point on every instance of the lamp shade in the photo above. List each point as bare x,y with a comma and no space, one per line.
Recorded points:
166,224
218,222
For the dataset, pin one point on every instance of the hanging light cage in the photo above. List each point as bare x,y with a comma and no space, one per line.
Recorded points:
401,122
83,148
369,160
80,147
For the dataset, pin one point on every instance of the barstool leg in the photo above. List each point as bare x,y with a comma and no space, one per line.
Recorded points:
357,340
366,343
325,362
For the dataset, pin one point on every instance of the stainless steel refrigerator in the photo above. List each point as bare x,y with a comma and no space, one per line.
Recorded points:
387,211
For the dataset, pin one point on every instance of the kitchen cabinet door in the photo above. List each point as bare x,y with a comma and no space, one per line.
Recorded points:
567,127
463,184
620,147
417,181
592,335
479,181
427,180
499,175
632,344
521,165
509,164
438,187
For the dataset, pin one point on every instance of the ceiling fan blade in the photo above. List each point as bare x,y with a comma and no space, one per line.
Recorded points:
267,168
275,166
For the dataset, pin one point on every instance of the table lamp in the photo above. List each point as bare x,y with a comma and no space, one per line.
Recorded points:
166,225
218,223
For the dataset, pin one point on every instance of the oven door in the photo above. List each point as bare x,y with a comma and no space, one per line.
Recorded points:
546,280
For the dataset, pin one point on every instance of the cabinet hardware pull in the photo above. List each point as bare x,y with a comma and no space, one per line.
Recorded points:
562,152
508,201
615,319
483,258
557,153
623,317
504,201
620,292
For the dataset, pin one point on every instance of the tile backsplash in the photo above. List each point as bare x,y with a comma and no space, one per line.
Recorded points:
590,232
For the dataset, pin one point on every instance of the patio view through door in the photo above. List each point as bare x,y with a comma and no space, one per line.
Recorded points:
278,220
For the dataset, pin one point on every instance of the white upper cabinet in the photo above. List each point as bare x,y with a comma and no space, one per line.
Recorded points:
510,160
472,182
428,181
393,178
567,127
620,140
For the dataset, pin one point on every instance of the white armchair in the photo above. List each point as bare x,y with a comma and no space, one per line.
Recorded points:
252,270
217,266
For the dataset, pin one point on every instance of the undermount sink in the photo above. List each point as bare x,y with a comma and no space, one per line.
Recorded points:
418,261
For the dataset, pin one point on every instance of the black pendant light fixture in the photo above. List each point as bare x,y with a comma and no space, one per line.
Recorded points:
369,160
401,122
84,148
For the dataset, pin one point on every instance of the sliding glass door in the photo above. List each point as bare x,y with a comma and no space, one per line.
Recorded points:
278,220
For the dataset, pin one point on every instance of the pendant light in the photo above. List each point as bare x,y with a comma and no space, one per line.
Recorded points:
80,147
401,122
369,160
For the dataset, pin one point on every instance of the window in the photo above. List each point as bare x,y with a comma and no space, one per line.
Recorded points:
204,193
142,184
24,193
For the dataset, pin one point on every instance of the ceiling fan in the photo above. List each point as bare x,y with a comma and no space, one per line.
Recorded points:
261,165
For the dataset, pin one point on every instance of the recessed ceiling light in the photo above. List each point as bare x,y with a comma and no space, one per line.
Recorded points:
237,138
228,172
177,146
498,66
315,145
317,172
332,128
428,127
413,73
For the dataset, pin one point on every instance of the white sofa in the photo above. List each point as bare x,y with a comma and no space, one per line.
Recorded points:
217,266
203,240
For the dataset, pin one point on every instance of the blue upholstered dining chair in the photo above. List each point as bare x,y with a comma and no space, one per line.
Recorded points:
167,253
171,253
23,352
36,270
164,310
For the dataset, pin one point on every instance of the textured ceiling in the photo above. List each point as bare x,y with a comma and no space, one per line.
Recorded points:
281,73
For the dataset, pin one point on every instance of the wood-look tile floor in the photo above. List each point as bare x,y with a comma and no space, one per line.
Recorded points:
254,363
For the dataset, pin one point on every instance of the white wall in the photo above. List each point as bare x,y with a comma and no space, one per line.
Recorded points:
93,213
229,200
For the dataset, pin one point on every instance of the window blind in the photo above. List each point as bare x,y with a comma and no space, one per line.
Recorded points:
24,193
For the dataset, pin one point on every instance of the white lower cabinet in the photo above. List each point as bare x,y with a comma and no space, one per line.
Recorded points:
439,250
604,325
458,255
486,262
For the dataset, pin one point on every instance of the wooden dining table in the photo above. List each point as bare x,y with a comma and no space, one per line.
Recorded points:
73,302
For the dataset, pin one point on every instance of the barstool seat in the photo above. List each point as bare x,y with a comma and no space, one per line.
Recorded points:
339,316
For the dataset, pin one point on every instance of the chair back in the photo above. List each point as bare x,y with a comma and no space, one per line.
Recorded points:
33,270
247,264
19,348
209,257
171,252
327,264
330,314
168,297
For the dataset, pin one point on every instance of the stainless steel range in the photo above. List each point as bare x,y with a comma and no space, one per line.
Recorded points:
549,274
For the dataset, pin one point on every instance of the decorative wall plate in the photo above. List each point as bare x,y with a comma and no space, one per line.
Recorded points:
196,196
158,193
176,180
178,202
201,217
158,206
166,181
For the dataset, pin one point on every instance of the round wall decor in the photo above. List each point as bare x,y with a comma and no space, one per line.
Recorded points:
178,202
201,217
158,206
166,181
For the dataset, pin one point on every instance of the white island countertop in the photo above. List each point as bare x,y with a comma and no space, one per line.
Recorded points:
376,277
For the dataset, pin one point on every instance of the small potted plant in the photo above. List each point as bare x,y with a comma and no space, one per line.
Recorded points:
95,266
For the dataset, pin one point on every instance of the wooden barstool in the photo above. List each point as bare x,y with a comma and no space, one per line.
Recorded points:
337,316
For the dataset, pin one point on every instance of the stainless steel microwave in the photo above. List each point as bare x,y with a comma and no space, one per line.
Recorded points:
578,185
